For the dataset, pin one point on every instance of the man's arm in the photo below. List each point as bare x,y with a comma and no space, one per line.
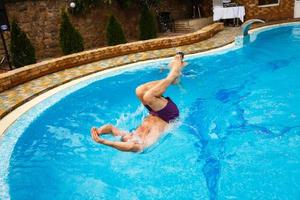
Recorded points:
110,129
122,146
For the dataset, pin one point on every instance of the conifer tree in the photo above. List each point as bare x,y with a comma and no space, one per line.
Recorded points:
147,25
69,38
114,32
21,50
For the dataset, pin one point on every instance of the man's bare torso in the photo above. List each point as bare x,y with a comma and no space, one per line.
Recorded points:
148,132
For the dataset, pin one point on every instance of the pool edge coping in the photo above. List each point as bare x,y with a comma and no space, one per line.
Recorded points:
9,118
13,115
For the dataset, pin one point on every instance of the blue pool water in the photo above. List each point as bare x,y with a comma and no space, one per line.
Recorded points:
238,136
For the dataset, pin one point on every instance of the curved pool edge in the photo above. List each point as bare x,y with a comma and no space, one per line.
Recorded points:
12,116
103,74
271,26
27,73
24,114
10,101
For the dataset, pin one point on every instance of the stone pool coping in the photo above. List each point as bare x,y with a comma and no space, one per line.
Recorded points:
10,118
18,110
12,98
24,74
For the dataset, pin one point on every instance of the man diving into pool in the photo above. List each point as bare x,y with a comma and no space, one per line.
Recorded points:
162,111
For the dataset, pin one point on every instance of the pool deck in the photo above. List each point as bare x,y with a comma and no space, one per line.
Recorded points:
12,98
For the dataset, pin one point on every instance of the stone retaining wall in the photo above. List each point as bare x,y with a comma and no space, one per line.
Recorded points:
30,72
283,11
40,20
190,25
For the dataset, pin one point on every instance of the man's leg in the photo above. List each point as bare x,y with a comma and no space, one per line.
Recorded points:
142,89
153,97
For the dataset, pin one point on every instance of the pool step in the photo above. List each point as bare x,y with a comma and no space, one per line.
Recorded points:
191,25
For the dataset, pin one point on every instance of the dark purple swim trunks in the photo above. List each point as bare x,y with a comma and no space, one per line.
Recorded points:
169,113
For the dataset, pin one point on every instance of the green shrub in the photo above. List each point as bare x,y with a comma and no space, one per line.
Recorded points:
150,3
21,50
69,38
147,24
114,32
125,4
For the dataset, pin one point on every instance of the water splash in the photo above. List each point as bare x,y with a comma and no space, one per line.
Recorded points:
129,120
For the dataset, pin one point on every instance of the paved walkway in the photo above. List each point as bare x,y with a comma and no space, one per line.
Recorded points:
14,97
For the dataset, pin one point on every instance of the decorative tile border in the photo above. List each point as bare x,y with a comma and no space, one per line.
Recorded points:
12,98
30,72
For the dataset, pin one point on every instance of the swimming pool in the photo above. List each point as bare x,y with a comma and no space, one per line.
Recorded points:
238,136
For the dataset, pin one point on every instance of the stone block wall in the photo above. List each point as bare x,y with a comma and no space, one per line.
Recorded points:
30,72
178,10
40,19
285,10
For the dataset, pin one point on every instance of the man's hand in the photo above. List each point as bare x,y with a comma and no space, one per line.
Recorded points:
95,136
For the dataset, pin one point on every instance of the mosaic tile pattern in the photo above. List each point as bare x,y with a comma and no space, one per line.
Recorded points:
14,97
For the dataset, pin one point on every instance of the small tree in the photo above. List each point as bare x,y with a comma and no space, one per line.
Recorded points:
21,50
149,3
69,38
147,25
125,4
114,32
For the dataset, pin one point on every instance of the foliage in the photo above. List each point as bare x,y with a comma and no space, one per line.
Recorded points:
12,1
114,32
124,4
82,6
69,38
149,3
21,49
147,25
128,3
